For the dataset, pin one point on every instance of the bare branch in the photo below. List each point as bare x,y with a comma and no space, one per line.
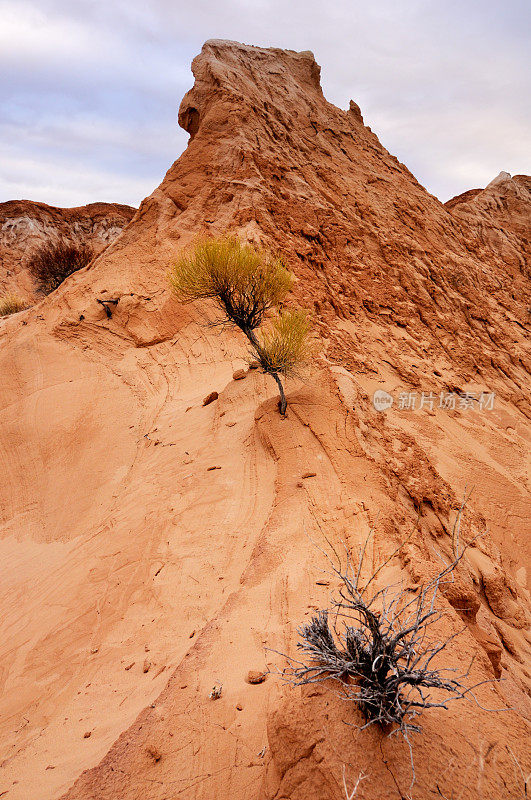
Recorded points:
381,648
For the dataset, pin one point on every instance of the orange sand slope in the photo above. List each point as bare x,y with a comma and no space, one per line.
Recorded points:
135,577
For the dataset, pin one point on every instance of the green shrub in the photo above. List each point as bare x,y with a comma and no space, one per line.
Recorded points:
285,346
247,282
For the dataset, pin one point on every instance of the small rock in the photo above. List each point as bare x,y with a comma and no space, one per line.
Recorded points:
239,375
355,111
192,635
309,475
154,752
254,364
94,650
256,676
50,766
239,707
146,666
132,664
146,648
87,734
322,583
210,398
216,466
300,484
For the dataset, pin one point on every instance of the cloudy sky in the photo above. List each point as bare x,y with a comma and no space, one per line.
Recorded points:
90,89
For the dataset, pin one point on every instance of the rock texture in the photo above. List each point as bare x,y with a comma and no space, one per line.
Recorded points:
499,215
25,225
122,538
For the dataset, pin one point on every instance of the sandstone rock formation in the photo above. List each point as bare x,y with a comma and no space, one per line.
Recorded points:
118,537
25,225
500,215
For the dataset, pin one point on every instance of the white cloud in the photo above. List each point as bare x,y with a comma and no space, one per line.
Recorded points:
94,86
58,184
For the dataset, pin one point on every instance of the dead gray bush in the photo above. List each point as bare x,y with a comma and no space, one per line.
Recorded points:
378,646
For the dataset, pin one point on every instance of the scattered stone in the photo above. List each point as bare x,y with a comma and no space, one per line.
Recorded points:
146,666
87,734
210,398
309,475
154,752
132,664
255,676
209,469
215,694
239,375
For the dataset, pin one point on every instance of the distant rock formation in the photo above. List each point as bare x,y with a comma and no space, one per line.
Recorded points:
25,225
502,177
500,216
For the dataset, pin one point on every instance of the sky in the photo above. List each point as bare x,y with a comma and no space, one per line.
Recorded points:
90,90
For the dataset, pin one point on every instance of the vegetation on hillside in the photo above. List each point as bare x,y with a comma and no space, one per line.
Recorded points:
10,304
54,261
381,647
247,283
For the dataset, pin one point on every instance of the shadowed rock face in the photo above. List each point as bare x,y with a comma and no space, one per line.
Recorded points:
25,226
157,557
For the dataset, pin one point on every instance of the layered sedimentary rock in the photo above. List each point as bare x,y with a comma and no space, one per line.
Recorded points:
499,215
139,577
25,226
